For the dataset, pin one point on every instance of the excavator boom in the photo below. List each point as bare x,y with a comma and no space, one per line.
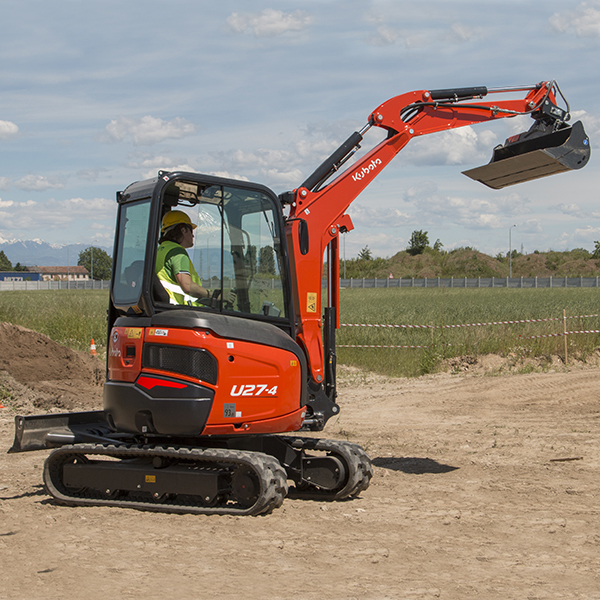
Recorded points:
317,212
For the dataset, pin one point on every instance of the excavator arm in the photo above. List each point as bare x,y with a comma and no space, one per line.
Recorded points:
318,207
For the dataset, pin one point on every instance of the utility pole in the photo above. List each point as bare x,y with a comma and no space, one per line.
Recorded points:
510,251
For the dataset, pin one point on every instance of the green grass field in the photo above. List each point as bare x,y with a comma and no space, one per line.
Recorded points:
69,317
74,317
412,306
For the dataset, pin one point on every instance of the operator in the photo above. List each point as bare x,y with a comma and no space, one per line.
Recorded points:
173,265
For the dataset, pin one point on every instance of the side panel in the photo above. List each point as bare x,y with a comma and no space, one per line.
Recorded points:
178,381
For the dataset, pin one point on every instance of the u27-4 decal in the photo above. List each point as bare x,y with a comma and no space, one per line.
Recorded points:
249,389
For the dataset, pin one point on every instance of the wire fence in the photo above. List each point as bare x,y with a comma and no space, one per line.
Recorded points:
53,285
474,282
425,282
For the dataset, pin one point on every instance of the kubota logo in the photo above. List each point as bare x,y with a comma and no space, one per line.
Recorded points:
366,170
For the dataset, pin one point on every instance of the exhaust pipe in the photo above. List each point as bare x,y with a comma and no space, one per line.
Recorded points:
536,153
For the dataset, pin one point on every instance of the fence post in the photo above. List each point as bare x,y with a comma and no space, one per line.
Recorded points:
451,282
521,281
439,282
550,281
363,283
536,281
565,332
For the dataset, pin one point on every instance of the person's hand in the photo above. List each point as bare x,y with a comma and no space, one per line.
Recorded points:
231,298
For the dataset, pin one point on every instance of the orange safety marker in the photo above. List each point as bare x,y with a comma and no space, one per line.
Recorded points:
93,348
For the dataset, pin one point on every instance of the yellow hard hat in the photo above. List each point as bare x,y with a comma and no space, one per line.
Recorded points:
175,217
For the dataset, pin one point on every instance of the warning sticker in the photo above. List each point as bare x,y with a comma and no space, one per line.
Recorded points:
160,332
134,333
311,302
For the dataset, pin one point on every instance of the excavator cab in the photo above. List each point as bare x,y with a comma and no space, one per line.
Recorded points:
238,251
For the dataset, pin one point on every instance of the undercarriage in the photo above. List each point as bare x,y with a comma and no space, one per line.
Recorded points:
242,475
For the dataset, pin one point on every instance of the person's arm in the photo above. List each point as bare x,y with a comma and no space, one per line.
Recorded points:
191,288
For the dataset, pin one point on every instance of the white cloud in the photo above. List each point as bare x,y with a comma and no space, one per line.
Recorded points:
150,165
39,183
56,214
269,23
531,226
590,123
285,168
587,234
147,131
5,183
477,213
383,36
571,209
584,20
5,203
227,175
387,35
463,146
381,243
90,174
369,216
462,33
8,130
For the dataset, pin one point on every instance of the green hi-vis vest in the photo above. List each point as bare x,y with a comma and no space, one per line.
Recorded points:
171,258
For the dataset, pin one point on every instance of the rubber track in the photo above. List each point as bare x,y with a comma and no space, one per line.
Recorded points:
357,462
271,475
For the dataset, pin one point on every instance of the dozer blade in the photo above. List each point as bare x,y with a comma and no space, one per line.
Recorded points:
526,159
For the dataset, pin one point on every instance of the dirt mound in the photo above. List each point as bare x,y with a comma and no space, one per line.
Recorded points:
38,371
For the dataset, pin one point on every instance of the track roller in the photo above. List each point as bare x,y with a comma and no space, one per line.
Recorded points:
167,479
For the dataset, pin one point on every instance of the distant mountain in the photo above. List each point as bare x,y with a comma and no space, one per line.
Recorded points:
38,253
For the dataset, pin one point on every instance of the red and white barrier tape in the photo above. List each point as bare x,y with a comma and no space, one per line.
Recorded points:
374,346
532,337
392,326
529,337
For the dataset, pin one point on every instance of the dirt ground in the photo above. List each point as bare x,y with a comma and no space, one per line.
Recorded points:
486,486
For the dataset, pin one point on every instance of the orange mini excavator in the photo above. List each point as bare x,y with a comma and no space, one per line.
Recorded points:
202,395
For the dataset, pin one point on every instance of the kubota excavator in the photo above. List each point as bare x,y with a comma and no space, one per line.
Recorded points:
201,399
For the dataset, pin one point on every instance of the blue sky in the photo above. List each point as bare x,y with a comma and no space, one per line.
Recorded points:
98,94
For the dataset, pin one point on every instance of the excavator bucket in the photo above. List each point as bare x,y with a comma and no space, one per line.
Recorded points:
533,155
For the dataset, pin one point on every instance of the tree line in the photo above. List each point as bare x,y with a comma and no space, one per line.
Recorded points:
420,259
